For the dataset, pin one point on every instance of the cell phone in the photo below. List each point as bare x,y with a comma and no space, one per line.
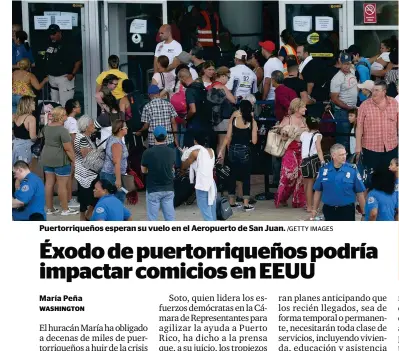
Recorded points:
124,190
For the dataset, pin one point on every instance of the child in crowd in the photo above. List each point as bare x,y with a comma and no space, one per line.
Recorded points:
312,157
393,167
72,108
352,116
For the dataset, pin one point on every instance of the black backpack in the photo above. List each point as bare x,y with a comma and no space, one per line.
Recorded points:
215,99
137,103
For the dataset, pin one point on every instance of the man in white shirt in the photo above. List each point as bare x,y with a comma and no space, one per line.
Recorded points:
168,47
242,79
272,64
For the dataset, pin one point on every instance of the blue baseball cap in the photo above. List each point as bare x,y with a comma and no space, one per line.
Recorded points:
153,90
345,58
160,130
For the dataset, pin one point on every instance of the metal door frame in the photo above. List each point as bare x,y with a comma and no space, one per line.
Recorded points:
90,44
343,13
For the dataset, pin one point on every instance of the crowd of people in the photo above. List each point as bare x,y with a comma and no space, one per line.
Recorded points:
202,119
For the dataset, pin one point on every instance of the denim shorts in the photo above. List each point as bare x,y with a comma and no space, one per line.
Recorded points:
63,171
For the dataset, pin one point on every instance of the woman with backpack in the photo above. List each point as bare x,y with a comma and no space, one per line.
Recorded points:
242,131
222,101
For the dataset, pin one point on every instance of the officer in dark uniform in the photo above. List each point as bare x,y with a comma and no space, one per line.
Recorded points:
63,62
337,185
29,200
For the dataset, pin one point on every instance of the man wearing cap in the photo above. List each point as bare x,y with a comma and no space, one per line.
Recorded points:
343,94
185,58
242,79
159,112
168,47
362,66
157,163
63,62
272,64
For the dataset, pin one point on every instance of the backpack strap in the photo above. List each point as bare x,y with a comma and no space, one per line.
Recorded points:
311,141
162,79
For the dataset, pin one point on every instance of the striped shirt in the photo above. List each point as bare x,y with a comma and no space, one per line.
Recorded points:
83,175
379,127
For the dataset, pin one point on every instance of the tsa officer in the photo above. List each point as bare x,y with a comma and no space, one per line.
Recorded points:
109,207
337,185
29,200
63,61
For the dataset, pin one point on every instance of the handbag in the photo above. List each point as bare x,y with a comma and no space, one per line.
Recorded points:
95,159
37,147
128,182
275,145
310,165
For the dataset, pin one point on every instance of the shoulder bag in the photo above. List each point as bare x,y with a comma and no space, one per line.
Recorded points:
95,159
310,165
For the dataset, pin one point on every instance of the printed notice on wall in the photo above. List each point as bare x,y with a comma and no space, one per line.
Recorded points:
302,23
324,23
138,26
42,22
74,17
65,22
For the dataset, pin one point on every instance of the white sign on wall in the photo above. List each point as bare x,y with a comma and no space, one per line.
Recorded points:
324,23
74,17
64,22
138,26
42,22
302,23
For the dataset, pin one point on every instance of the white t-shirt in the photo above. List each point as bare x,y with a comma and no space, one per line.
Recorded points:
167,81
170,50
272,64
376,66
242,81
72,125
352,142
306,137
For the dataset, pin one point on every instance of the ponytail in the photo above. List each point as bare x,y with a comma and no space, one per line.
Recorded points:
246,111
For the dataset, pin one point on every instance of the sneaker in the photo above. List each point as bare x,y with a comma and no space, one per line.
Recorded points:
69,212
248,208
52,211
252,201
73,203
264,196
236,205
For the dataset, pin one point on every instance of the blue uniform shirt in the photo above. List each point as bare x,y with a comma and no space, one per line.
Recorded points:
31,193
386,204
19,52
110,208
339,187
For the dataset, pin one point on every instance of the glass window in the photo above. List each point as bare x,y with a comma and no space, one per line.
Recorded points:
328,40
369,40
387,13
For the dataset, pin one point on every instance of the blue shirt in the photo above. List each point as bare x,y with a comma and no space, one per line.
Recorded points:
110,208
19,52
386,204
364,71
339,187
31,193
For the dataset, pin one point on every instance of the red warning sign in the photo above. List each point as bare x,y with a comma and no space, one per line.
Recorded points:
370,13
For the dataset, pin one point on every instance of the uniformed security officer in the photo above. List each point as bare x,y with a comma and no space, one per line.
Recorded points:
337,185
29,200
109,207
63,62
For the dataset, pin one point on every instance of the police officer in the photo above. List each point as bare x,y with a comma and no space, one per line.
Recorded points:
29,200
62,64
337,185
109,208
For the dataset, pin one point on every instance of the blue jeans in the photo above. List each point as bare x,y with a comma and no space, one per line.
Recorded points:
208,212
343,127
180,137
112,179
15,101
163,199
